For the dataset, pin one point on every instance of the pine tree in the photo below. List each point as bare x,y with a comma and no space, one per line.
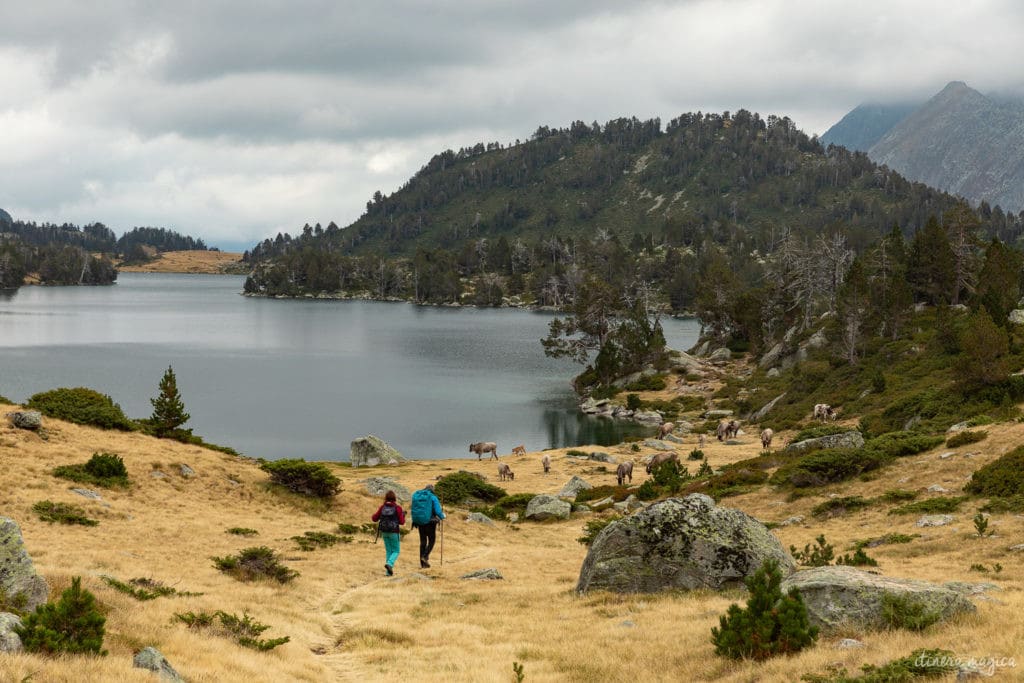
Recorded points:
72,624
771,624
168,409
999,281
931,264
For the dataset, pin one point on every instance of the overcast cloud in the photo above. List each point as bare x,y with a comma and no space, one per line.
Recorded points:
235,120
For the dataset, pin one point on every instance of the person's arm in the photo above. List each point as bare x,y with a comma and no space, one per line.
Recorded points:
437,508
401,514
376,515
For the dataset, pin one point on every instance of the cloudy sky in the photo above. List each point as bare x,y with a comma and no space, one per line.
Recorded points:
234,120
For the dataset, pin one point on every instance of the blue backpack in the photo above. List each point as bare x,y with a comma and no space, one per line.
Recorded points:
422,507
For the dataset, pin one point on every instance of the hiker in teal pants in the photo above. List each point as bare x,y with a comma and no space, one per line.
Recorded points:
390,517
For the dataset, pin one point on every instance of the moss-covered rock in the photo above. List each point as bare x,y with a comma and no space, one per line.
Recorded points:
685,543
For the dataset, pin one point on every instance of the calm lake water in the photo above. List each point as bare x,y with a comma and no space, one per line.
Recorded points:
301,379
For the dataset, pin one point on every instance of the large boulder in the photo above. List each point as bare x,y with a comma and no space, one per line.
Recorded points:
9,640
851,439
18,578
680,360
574,486
26,419
1017,316
371,451
648,417
544,507
843,596
720,355
684,543
150,658
378,486
763,411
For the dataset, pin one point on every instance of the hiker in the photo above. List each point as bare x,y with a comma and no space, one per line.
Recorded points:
426,513
390,517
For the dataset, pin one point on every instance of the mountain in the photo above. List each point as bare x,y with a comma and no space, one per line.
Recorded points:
5,218
963,142
865,125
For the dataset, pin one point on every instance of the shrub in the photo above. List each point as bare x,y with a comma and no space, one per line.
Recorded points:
456,487
858,559
241,531
593,527
734,480
311,540
827,466
771,624
981,525
918,664
306,478
670,476
633,401
81,406
65,513
255,563
648,490
244,630
704,470
647,383
102,469
145,589
836,507
515,503
940,505
901,444
73,624
696,454
617,493
906,612
898,495
1009,504
886,540
966,437
820,555
573,453
818,432
1000,478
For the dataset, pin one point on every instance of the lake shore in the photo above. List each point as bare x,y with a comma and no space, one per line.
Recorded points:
194,262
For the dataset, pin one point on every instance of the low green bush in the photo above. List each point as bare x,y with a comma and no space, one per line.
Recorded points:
888,539
733,481
827,466
898,495
73,624
918,664
617,493
244,630
517,502
836,507
574,453
64,513
931,506
253,564
146,589
818,555
633,401
696,454
858,559
817,432
648,490
102,469
305,478
456,487
593,527
81,406
1008,504
907,612
647,383
902,444
689,403
966,437
241,531
670,476
311,540
1001,478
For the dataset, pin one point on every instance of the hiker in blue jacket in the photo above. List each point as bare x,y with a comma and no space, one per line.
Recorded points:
426,513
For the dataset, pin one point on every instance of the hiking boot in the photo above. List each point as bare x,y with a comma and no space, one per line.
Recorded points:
389,570
424,564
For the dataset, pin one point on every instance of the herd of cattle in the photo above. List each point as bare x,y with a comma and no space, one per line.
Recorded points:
726,430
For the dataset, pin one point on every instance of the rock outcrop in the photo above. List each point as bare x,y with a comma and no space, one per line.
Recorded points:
684,543
851,439
18,578
544,507
26,419
378,486
843,596
574,486
371,451
9,640
150,658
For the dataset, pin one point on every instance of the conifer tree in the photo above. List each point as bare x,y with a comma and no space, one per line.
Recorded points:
72,624
999,281
931,264
168,408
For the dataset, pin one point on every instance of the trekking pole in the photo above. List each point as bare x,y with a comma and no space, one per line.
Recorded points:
442,542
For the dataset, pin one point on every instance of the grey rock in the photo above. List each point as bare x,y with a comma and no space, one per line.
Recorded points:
9,640
911,423
513,517
648,417
659,445
601,456
581,509
627,624
26,419
818,340
967,588
592,405
685,362
1017,316
774,372
959,427
672,438
633,503
720,355
18,577
378,486
851,439
718,412
772,356
186,471
701,349
479,518
946,455
574,486
371,451
935,520
840,596
490,574
935,488
848,644
157,474
151,659
87,493
790,521
763,411
684,543
1016,548
603,504
544,507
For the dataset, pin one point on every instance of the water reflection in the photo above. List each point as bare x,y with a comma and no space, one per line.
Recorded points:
566,426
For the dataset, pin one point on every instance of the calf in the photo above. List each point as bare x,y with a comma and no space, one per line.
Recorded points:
482,447
624,472
660,458
822,411
766,438
546,462
519,450
505,472
701,440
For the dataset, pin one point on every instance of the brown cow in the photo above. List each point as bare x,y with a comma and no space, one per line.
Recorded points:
766,438
732,429
660,458
665,429
546,462
505,472
482,447
624,472
721,431
519,450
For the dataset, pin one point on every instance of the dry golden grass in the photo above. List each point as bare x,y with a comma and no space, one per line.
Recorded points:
347,621
210,262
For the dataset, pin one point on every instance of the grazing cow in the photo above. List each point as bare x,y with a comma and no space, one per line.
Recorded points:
624,472
660,458
732,429
665,429
721,431
482,447
519,450
701,440
766,438
546,462
823,411
505,472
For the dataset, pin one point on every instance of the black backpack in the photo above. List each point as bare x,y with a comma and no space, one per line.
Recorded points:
388,523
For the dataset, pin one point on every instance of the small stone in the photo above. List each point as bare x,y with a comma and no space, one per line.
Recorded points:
151,659
19,581
602,504
848,644
490,574
935,488
627,624
479,518
9,640
935,520
1016,548
87,493
958,427
186,471
796,519
947,454
157,474
601,456
513,516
